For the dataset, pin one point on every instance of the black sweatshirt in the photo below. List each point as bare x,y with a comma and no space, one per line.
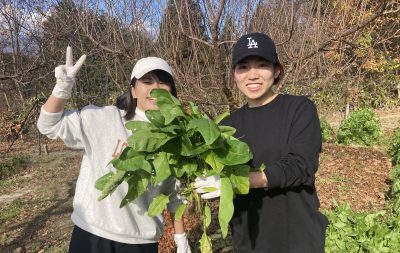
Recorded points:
285,135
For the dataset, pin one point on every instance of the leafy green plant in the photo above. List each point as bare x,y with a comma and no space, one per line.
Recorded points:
395,189
326,130
394,147
362,128
12,165
183,145
350,231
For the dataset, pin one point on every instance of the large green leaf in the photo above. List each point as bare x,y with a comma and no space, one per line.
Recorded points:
138,125
161,166
219,143
205,244
235,152
173,130
190,150
207,128
101,182
170,107
189,166
239,176
227,131
220,117
211,159
207,216
164,96
173,146
183,165
137,186
147,140
130,160
158,205
195,112
155,117
113,182
179,212
177,170
225,211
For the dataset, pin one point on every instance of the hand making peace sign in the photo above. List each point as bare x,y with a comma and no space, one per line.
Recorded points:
65,75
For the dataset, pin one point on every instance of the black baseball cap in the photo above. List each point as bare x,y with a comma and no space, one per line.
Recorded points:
255,44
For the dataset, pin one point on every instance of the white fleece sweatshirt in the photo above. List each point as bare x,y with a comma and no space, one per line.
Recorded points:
101,133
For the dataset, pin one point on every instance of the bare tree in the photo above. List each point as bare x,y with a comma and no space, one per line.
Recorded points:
21,62
318,41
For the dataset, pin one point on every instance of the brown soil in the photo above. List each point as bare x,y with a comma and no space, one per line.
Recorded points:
35,205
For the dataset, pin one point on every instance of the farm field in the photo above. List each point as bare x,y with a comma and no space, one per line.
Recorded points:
35,204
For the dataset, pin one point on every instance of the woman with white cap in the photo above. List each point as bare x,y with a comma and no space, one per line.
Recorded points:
102,226
280,214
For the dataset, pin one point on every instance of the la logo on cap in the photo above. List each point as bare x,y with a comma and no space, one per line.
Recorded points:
252,43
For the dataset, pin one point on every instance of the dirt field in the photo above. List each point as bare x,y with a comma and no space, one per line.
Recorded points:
35,204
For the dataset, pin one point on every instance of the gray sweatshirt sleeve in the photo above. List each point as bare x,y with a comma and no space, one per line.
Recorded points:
65,125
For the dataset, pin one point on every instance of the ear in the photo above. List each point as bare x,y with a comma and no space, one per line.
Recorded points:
133,92
277,71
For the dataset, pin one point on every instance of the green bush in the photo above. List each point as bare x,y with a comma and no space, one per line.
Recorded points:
326,130
362,128
12,165
394,148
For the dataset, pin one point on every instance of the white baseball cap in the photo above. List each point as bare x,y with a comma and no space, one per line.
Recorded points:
145,65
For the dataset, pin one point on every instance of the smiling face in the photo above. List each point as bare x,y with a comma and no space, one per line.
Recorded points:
142,88
255,77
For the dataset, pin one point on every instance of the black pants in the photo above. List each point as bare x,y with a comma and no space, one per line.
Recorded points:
85,242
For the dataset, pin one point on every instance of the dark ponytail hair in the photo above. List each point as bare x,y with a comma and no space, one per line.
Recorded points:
128,103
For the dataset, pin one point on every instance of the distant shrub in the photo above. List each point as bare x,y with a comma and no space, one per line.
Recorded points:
326,130
12,165
362,127
394,147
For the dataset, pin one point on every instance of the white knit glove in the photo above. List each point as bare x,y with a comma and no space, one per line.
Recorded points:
65,75
182,243
210,187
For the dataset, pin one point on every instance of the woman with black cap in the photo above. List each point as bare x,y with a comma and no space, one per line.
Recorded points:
280,214
104,227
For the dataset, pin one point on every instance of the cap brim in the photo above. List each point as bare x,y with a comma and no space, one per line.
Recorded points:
252,54
147,70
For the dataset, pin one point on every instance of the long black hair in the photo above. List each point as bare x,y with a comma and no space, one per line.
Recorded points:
128,103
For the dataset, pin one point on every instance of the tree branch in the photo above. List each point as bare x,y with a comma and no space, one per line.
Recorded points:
353,29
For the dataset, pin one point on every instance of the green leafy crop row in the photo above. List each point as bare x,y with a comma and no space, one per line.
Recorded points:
351,231
378,232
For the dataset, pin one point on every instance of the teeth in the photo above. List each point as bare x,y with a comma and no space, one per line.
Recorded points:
253,85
